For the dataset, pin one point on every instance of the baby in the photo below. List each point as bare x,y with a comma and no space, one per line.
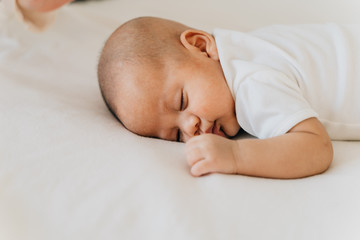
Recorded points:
289,86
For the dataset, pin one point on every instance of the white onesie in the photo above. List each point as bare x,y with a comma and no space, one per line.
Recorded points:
283,74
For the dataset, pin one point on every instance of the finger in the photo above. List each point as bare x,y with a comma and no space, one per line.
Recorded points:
193,156
201,168
193,152
194,140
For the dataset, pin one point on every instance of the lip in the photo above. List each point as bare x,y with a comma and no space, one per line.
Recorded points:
214,129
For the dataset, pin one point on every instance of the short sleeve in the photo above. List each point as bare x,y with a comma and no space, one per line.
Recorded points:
35,21
269,104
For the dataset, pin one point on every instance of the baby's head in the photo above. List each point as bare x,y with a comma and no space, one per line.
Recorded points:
163,79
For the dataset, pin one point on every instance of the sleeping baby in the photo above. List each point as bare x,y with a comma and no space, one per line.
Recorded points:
294,88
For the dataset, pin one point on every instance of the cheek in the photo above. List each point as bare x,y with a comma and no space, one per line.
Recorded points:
204,102
209,101
202,107
200,104
210,109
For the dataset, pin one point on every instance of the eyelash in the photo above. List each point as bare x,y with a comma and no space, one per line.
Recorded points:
181,100
178,136
181,108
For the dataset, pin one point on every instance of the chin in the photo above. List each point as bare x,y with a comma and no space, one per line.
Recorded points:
234,134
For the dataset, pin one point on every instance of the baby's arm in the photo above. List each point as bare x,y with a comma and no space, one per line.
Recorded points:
41,5
37,15
304,151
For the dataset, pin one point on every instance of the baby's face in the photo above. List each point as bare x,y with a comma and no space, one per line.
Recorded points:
179,102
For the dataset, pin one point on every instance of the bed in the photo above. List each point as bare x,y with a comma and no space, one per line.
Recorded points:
69,170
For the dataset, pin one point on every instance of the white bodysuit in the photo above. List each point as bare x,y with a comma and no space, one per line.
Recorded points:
281,75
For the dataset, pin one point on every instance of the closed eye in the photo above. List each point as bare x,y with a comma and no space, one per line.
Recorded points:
178,135
182,100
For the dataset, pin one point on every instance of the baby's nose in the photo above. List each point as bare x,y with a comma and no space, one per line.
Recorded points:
191,125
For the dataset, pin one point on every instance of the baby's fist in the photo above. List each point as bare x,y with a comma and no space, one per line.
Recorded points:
209,153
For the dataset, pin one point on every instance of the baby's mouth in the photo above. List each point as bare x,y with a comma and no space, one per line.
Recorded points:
216,130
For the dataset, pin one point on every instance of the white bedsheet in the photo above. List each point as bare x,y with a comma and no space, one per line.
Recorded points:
68,170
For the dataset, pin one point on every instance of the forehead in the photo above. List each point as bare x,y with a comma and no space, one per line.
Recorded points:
138,99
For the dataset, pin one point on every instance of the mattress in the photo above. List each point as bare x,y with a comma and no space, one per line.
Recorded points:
69,170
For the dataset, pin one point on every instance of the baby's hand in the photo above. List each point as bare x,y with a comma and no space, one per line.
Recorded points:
210,153
41,5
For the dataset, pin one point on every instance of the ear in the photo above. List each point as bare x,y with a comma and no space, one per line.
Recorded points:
200,42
